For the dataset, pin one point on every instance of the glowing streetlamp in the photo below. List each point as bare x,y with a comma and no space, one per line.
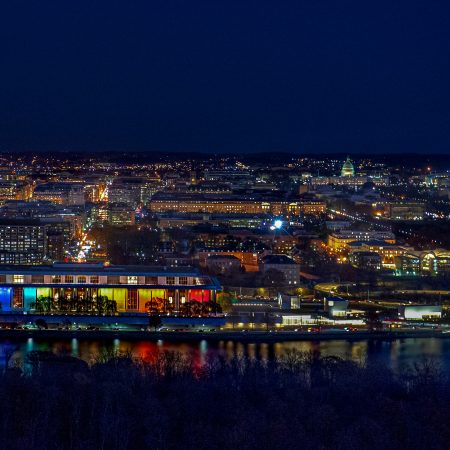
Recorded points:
277,224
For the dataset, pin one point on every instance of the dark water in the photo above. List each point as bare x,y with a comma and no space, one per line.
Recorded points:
397,354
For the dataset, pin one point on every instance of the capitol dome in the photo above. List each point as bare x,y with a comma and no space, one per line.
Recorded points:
347,169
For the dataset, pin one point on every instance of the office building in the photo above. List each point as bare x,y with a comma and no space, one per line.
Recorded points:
22,242
339,241
60,193
126,190
165,202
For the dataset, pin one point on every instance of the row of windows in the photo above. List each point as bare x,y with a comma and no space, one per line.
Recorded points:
94,279
132,298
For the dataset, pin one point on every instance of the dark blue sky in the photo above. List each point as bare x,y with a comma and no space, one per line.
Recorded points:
318,76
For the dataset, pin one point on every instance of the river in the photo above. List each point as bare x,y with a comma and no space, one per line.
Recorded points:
398,354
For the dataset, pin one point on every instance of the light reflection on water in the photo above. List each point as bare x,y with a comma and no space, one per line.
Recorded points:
397,354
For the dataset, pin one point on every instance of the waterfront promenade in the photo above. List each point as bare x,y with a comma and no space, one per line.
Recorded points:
241,336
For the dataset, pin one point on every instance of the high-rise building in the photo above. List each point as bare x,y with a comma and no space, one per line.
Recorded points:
22,242
33,241
126,190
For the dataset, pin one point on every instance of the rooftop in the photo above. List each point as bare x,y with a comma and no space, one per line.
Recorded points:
278,259
99,269
373,243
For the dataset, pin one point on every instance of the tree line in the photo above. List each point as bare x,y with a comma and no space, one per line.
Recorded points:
173,401
100,304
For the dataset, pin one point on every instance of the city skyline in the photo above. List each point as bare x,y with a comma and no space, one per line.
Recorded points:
225,225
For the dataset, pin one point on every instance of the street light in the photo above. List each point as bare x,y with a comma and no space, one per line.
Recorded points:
277,224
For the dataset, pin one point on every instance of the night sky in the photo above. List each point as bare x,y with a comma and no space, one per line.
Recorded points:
350,76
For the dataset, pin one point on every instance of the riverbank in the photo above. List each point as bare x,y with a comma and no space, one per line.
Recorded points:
247,336
207,401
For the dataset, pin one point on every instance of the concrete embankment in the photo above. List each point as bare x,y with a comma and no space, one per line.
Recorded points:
250,336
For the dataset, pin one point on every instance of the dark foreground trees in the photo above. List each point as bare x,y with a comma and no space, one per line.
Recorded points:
298,402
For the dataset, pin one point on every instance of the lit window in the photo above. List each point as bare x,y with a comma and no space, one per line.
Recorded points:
132,279
18,278
94,279
132,301
170,280
69,278
81,279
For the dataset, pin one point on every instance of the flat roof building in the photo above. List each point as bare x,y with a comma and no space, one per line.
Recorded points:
67,287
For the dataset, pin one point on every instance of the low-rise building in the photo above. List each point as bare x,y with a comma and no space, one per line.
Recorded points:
132,288
365,260
256,203
287,266
424,262
404,210
60,193
288,302
387,251
339,241
335,307
420,312
222,263
248,260
15,190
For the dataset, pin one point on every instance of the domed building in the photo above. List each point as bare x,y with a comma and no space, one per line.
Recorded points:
347,169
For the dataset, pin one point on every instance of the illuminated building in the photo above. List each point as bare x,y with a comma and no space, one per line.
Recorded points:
120,215
387,251
288,302
95,192
365,260
15,190
22,242
282,243
339,241
68,220
335,307
55,246
313,208
33,241
404,211
347,169
127,190
420,312
132,288
60,193
352,181
117,214
424,262
164,202
237,177
179,220
347,177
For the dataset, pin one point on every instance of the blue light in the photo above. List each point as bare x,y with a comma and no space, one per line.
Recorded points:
278,224
5,299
